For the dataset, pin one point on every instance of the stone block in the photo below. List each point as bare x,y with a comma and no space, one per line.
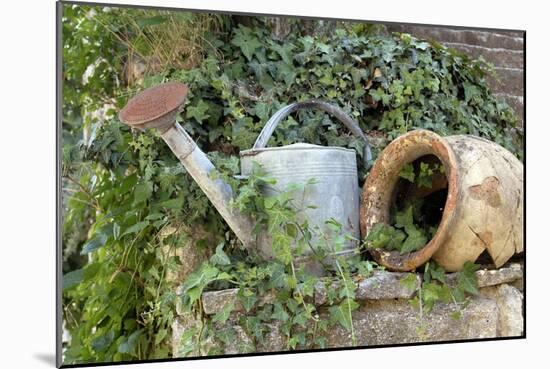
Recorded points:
385,316
387,322
490,39
509,301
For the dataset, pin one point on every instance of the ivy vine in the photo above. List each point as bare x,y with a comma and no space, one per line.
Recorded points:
123,191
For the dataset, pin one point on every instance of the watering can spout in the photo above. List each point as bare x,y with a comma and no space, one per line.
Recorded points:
157,107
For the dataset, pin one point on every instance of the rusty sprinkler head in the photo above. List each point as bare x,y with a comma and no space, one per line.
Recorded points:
155,107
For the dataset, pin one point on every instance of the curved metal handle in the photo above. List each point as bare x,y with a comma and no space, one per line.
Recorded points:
282,113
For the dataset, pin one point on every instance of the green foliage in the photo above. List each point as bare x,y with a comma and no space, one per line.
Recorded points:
409,232
288,279
123,191
404,236
436,288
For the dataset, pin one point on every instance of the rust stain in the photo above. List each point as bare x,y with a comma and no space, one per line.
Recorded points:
487,191
153,103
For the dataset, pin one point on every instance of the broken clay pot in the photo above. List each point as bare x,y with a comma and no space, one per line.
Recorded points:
483,209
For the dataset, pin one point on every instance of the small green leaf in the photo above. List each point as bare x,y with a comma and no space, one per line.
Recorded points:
437,273
467,280
247,298
198,111
279,312
72,279
409,282
176,203
407,172
415,241
95,243
224,314
456,315
341,313
128,346
136,228
246,41
220,257
101,343
142,192
159,337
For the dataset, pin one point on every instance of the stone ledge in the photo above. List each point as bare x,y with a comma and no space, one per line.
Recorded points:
382,285
385,316
388,322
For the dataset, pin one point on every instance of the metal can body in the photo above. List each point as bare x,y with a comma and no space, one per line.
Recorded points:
335,193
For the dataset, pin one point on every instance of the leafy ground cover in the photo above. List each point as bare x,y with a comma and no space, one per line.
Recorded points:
122,190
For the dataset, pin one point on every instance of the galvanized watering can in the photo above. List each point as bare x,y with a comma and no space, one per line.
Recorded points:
335,195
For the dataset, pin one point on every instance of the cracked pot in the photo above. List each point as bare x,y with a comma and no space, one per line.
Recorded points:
483,208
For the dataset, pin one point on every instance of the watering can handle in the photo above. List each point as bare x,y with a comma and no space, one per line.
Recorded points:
282,113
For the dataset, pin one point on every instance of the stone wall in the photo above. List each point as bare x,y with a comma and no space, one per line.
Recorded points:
386,317
504,49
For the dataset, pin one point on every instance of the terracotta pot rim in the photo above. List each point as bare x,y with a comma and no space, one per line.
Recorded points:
381,183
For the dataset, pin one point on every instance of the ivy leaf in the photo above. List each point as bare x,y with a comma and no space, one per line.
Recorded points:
430,294
247,298
72,279
385,236
425,175
415,241
407,172
409,282
301,319
341,313
284,50
404,219
136,228
143,191
95,243
467,280
246,41
224,314
437,272
278,276
243,133
279,312
226,335
102,342
220,257
198,111
198,280
128,346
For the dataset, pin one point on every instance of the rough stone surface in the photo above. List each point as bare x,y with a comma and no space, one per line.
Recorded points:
493,277
519,284
387,322
380,322
189,255
509,301
385,285
381,285
179,326
385,316
215,301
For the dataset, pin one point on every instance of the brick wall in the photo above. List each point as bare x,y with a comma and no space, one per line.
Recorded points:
504,49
